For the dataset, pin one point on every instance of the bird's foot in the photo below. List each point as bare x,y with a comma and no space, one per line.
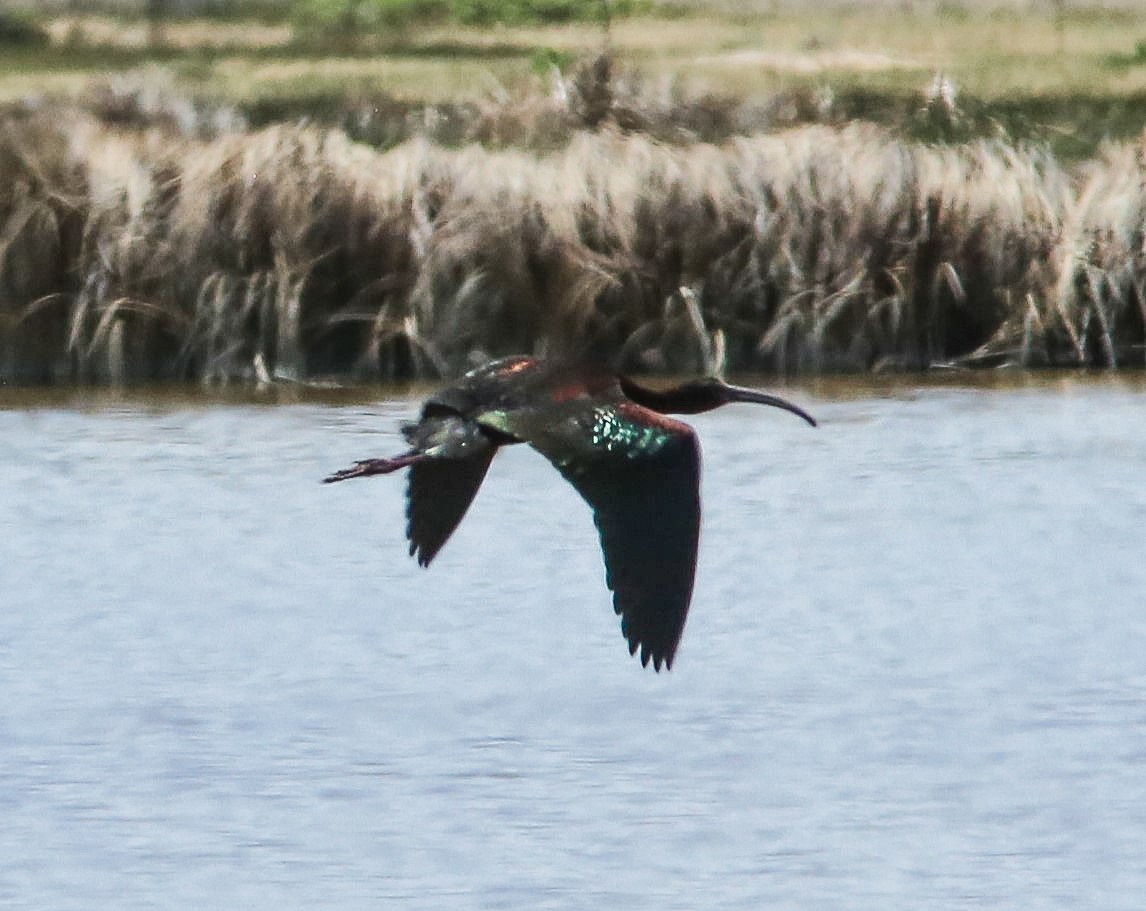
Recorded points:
367,467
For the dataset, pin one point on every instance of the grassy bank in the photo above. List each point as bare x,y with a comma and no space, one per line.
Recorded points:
799,190
294,252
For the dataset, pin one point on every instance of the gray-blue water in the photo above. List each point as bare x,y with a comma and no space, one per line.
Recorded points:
914,675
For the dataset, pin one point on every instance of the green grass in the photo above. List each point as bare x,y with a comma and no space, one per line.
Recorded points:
1071,82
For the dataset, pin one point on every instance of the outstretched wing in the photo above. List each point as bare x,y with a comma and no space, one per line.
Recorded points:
640,473
439,492
648,513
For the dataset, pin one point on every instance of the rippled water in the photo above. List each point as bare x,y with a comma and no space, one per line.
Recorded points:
914,675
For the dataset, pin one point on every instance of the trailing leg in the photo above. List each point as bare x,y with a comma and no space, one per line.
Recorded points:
367,467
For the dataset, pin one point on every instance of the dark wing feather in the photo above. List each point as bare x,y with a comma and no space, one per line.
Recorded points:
437,497
648,513
640,473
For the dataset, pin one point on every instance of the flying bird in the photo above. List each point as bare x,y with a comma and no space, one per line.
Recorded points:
609,437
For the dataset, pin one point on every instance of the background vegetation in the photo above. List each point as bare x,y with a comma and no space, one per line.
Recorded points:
393,188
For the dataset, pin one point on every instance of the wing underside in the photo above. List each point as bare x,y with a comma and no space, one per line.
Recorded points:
437,497
639,472
648,514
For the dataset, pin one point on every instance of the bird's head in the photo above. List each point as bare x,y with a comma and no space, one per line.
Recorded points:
705,394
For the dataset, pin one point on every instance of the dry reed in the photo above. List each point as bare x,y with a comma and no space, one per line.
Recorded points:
293,252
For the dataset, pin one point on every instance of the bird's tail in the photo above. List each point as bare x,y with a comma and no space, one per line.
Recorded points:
367,467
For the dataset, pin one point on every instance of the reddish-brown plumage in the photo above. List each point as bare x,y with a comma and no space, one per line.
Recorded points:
638,469
641,415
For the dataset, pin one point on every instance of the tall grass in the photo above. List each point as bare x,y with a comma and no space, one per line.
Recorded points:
294,252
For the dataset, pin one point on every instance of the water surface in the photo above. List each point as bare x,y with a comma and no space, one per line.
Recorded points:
914,675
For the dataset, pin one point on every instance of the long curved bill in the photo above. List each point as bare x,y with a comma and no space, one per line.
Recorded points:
741,394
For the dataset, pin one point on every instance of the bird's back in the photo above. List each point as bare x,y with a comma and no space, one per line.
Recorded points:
522,389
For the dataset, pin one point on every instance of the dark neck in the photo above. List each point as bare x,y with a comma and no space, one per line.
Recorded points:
687,398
